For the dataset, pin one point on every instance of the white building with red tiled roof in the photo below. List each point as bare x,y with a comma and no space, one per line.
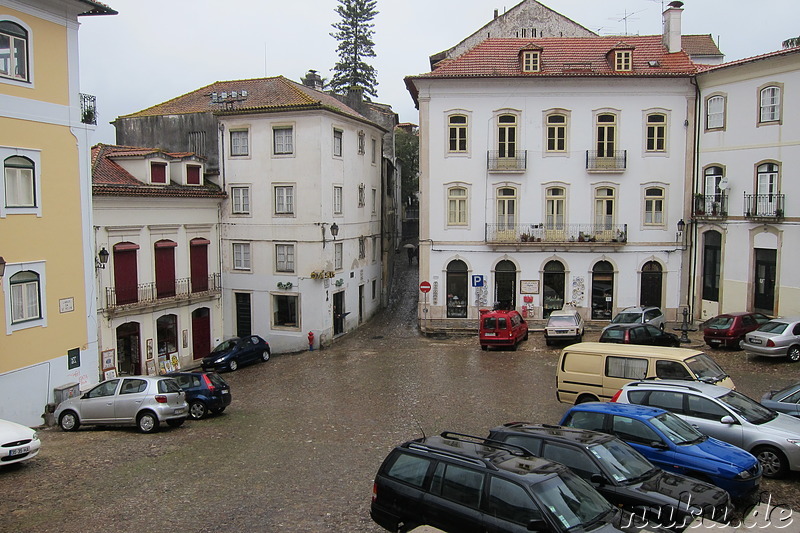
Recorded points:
553,171
156,217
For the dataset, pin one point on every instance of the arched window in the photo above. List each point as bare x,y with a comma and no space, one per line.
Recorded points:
553,291
654,206
555,206
20,188
457,206
25,296
457,295
606,134
604,204
507,136
506,208
656,132
770,104
13,51
712,263
556,132
457,128
167,334
505,276
651,284
715,112
602,290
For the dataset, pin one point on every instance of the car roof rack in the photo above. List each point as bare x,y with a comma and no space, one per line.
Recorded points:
688,386
483,441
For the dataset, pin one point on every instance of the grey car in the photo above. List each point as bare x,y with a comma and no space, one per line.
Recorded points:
728,415
784,401
641,315
141,401
780,337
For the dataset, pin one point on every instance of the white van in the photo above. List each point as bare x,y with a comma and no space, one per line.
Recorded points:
594,371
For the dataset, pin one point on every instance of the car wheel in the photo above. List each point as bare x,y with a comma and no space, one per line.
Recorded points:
69,421
580,337
217,410
793,355
548,342
526,336
514,346
265,356
147,422
772,461
233,365
176,422
197,410
585,398
484,347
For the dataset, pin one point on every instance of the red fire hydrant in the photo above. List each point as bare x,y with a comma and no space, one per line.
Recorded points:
311,341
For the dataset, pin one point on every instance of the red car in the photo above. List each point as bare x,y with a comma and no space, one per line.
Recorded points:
730,328
502,328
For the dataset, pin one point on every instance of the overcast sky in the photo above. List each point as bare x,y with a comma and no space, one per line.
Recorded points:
154,50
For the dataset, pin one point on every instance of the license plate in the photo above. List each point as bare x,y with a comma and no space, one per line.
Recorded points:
179,411
714,341
225,391
19,451
490,334
562,331
755,341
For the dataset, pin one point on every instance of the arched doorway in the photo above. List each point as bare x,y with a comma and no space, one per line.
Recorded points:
652,278
602,290
201,333
505,282
129,361
457,288
553,291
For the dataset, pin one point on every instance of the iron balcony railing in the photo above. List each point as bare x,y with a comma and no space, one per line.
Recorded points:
498,161
611,161
556,233
764,205
148,292
711,205
88,109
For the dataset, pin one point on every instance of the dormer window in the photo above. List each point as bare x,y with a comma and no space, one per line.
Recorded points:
530,61
193,175
623,60
158,173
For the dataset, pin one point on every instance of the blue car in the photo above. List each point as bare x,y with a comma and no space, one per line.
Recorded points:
672,444
229,354
205,392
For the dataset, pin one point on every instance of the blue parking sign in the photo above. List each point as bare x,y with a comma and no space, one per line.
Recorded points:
477,280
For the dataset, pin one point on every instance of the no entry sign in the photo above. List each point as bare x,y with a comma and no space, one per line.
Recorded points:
425,286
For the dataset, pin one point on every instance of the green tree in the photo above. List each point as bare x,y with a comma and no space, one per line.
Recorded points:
791,43
406,147
354,33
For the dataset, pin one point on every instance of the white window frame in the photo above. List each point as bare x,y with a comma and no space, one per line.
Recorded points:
12,269
770,104
283,140
159,163
35,157
338,142
555,206
531,61
240,199
654,206
602,220
716,105
284,204
338,252
285,258
457,205
338,199
10,78
623,60
241,256
242,135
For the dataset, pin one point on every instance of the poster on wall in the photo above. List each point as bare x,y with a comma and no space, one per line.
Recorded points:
529,286
108,359
151,367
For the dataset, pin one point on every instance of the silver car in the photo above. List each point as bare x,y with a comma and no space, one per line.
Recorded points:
143,401
727,415
641,315
780,337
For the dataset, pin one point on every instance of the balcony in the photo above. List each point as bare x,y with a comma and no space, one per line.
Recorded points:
88,109
497,161
148,294
556,233
606,161
764,206
710,206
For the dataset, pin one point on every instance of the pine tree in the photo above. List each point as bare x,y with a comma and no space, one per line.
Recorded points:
354,33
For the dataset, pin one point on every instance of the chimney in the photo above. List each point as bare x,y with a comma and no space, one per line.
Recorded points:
672,27
495,13
313,80
355,96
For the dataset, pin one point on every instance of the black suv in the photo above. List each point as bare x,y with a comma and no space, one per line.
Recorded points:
466,484
621,474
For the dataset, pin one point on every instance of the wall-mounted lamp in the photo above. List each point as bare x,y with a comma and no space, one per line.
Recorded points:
2,266
102,258
334,230
681,227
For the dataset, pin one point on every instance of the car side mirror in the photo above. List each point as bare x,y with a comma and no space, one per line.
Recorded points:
598,479
658,445
728,420
538,524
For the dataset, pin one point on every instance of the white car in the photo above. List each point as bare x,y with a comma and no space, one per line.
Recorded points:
17,443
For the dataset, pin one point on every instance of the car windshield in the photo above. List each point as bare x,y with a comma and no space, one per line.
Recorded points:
573,502
705,368
720,322
676,430
168,385
494,323
627,318
750,410
622,462
561,321
224,346
773,327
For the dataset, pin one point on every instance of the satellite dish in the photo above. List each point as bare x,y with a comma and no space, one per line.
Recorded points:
723,184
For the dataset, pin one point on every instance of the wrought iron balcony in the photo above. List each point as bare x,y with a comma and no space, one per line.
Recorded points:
769,206
88,109
710,206
556,233
148,293
497,161
606,161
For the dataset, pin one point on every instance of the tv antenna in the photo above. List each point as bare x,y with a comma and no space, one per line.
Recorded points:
627,16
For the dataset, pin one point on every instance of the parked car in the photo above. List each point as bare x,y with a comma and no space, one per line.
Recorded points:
640,315
780,337
502,328
205,391
672,444
143,401
727,415
17,443
784,401
229,354
639,334
564,325
729,329
620,473
466,484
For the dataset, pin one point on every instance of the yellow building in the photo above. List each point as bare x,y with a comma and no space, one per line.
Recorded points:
48,259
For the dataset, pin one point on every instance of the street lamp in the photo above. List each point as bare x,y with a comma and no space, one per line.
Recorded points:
681,227
334,230
102,258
